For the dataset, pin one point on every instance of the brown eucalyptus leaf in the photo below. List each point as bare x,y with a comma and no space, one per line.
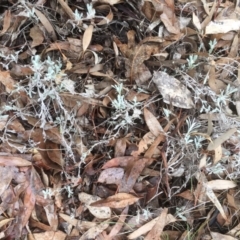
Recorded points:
120,147
87,37
37,36
14,161
45,22
172,90
111,175
94,231
220,184
111,2
152,123
221,139
109,16
222,26
7,81
53,235
150,225
99,212
131,175
118,162
54,153
119,200
6,22
157,229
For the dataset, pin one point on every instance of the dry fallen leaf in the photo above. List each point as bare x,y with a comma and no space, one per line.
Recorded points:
87,37
98,212
7,22
132,173
45,22
53,235
221,184
111,175
14,161
119,200
37,36
111,2
7,81
148,226
119,224
207,191
172,90
222,26
81,225
94,231
152,123
157,229
221,139
216,235
109,16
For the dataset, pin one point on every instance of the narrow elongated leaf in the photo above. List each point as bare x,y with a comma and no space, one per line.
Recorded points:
157,229
45,22
87,37
221,184
14,161
152,123
221,139
119,200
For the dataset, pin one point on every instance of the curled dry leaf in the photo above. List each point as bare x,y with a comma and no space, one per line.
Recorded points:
145,142
109,16
119,200
172,90
99,212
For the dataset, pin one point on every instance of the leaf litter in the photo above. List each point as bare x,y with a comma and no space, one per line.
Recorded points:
119,119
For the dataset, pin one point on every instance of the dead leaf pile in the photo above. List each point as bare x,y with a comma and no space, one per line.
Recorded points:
119,119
